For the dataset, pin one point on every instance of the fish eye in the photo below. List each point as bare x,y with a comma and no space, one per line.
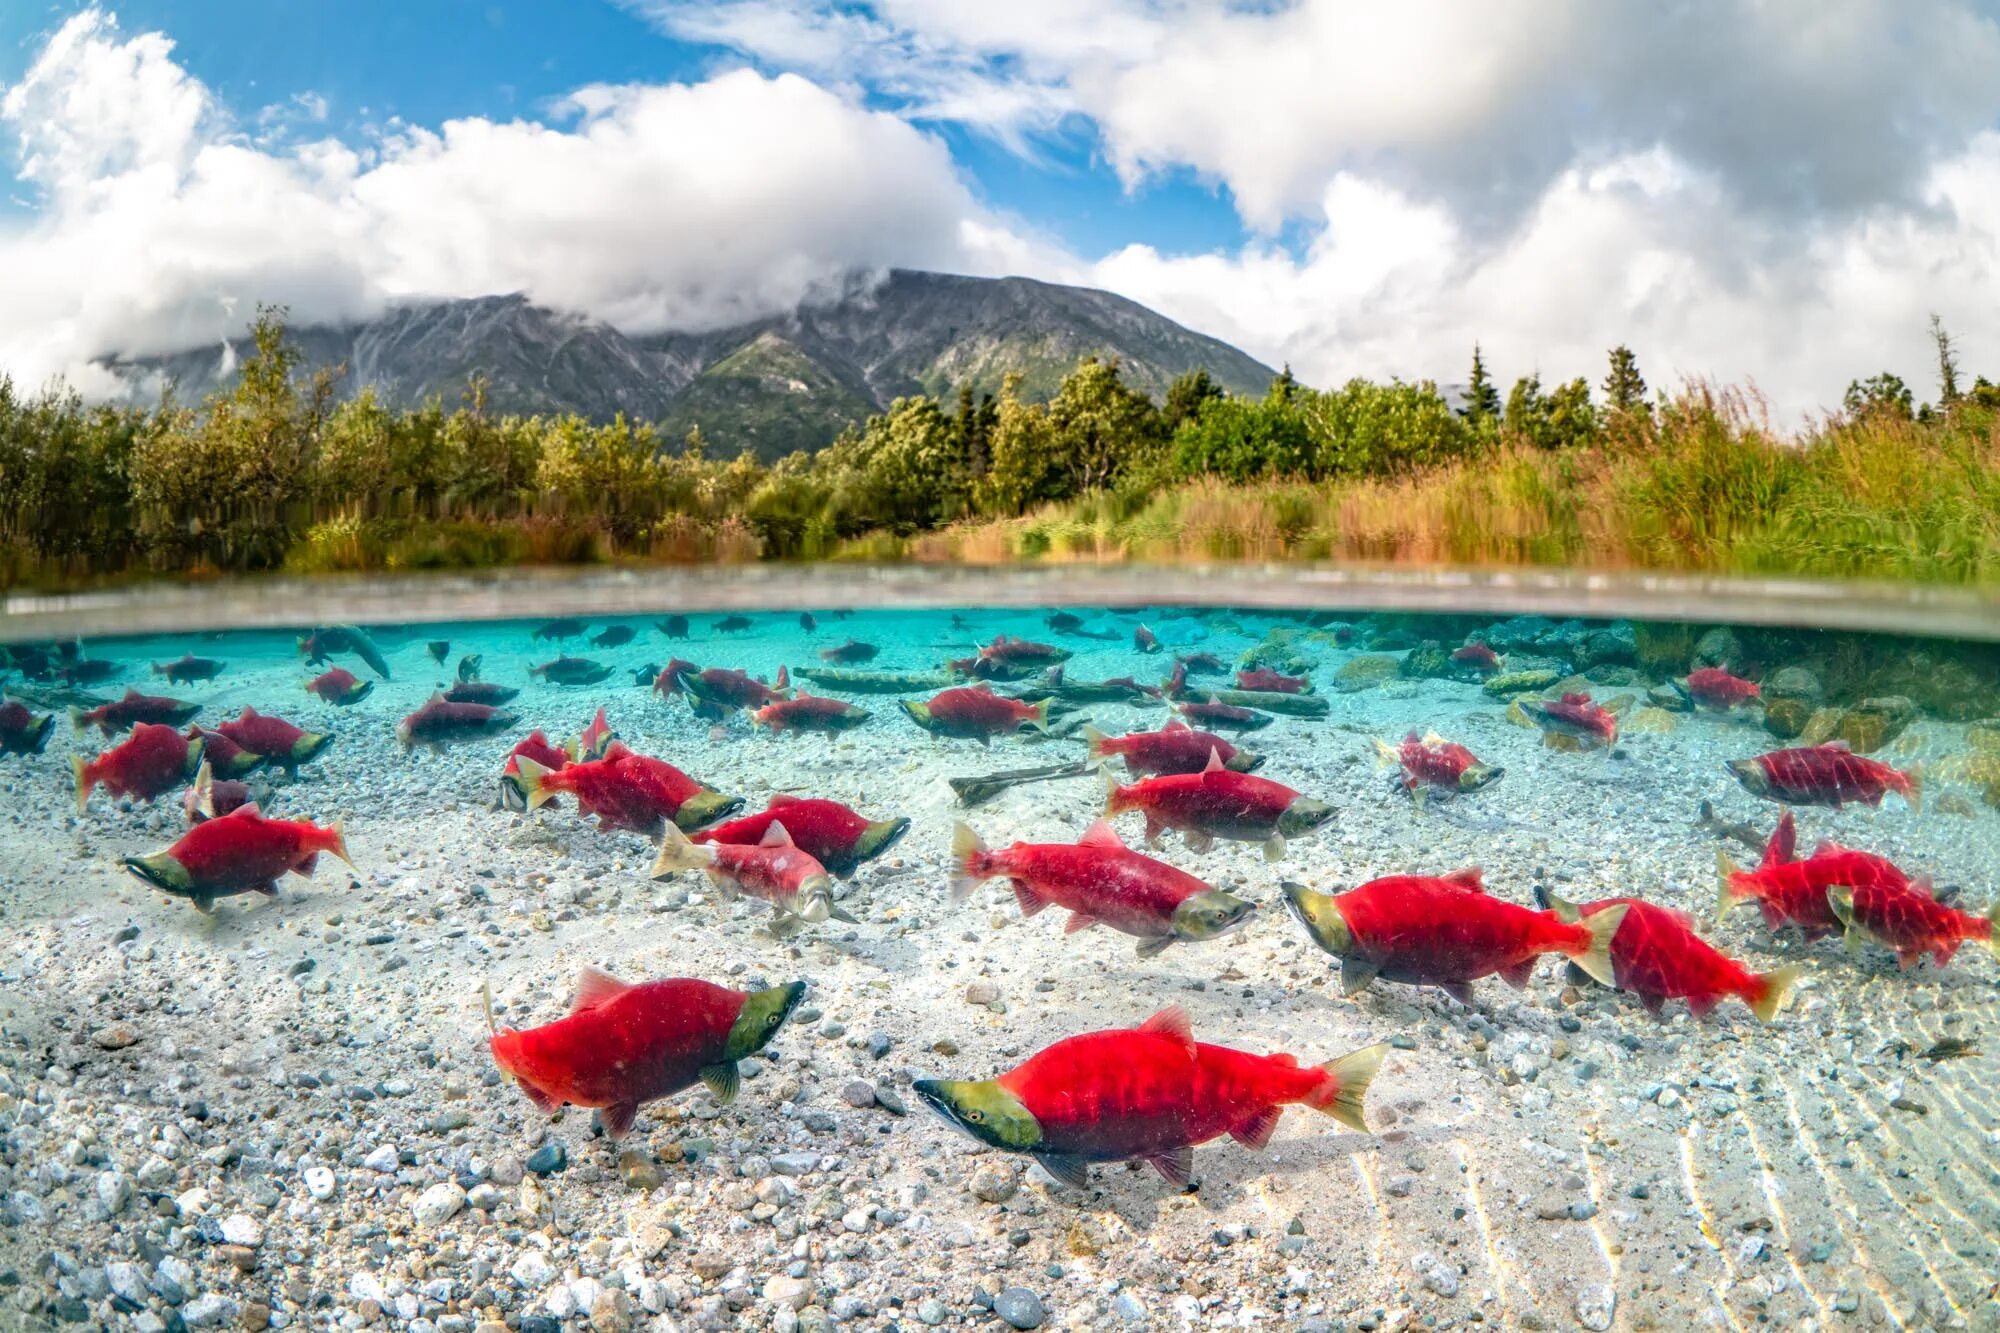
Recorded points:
975,1116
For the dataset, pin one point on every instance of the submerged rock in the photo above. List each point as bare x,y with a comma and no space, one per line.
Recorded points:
1365,672
1717,648
1786,718
1511,683
1427,661
1873,723
1650,719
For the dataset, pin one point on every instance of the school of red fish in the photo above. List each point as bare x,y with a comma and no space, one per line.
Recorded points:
1150,1093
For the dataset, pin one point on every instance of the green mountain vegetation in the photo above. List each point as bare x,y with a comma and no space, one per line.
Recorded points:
278,472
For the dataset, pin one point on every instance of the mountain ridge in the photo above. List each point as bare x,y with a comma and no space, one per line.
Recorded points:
784,382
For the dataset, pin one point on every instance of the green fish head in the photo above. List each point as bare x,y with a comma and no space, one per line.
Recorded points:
879,837
1303,816
1244,761
1207,915
813,901
985,1110
1478,775
704,808
309,746
1320,916
762,1014
163,872
361,690
919,714
1752,775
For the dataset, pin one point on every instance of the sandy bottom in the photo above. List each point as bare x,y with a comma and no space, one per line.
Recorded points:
306,1130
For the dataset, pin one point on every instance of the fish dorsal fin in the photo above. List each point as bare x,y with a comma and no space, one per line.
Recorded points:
777,835
247,810
1171,1021
1828,847
1472,877
131,693
782,798
437,697
594,987
1101,834
983,687
1215,764
1839,745
1922,884
784,681
1177,725
1431,738
1784,843
248,714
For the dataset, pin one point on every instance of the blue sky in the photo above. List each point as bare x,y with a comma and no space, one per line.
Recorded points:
1350,187
428,61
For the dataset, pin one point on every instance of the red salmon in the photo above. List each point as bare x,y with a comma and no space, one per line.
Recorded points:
1910,921
226,757
1446,931
624,1045
1219,803
975,712
829,832
440,722
1145,640
1713,687
147,764
240,852
1573,715
1793,892
628,791
1275,682
134,707
1436,763
276,740
1175,748
23,731
1657,956
1829,774
774,869
1477,656
809,712
1150,1093
340,686
1100,880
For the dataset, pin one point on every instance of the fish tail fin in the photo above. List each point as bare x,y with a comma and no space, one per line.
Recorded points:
677,853
1595,956
1112,791
1913,787
784,680
1727,895
486,999
1095,742
1385,755
532,777
83,782
204,789
1992,940
1342,1092
1038,716
1769,990
336,841
76,718
966,849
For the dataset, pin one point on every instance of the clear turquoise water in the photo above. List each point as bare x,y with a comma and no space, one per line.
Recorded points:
1542,1150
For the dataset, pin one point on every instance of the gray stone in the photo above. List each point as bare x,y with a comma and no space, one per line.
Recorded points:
1020,1307
319,1182
438,1204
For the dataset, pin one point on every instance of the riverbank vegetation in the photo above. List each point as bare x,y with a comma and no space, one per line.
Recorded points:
280,473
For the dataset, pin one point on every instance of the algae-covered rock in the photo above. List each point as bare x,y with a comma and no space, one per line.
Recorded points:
1786,718
1611,675
1617,645
1511,683
1650,719
1619,704
1519,716
1984,736
1668,698
1873,723
1285,649
1563,741
1717,648
1572,685
1820,726
1365,672
1791,682
1427,661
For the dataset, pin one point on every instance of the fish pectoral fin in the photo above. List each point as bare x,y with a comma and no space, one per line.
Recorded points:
1177,1167
1154,947
1257,1130
722,1081
1078,921
617,1119
1199,842
1066,1169
268,889
1356,974
1029,901
1576,976
1458,990
544,1103
843,915
1701,1005
1517,974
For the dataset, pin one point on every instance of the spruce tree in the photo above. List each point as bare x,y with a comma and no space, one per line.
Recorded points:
1482,400
1624,386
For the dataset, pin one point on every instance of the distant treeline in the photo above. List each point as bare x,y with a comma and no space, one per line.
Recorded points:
277,473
